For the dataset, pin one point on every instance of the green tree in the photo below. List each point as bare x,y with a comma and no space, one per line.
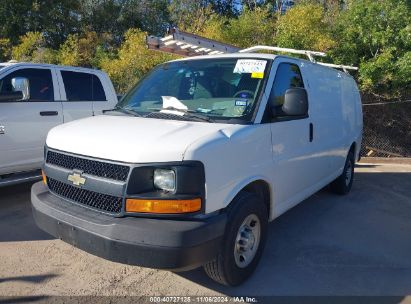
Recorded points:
253,4
117,16
197,15
5,49
184,12
227,8
303,27
32,47
132,61
55,19
68,52
45,55
13,16
151,16
190,15
87,49
376,35
29,44
252,27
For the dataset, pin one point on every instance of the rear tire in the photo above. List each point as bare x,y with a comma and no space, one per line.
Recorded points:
243,241
342,184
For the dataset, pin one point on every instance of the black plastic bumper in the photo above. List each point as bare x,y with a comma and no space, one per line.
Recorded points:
156,243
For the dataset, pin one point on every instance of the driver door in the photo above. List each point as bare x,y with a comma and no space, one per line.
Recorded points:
24,124
294,149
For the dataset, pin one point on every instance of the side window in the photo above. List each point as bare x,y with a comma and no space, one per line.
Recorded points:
82,86
40,83
288,76
98,91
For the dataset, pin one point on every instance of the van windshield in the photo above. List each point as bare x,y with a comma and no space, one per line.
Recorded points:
220,89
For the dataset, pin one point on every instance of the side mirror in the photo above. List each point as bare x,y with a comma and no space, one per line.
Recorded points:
295,102
11,96
21,84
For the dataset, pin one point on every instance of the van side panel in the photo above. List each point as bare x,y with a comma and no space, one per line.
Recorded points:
352,114
326,104
337,111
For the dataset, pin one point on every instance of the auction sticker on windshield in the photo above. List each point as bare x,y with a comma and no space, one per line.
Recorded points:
250,66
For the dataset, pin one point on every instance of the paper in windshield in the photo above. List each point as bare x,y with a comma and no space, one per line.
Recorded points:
250,66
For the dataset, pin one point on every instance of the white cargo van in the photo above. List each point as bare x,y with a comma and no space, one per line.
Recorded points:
197,159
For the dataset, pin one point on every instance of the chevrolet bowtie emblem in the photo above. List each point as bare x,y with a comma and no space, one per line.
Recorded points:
76,179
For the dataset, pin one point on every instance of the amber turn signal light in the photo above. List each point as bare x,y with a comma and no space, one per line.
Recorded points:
44,177
163,206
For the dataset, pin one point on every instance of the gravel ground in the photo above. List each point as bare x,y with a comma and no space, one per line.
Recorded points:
358,244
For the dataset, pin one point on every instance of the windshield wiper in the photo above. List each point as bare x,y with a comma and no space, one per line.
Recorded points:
189,114
123,110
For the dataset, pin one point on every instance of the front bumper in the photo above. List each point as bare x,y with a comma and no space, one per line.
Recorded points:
156,243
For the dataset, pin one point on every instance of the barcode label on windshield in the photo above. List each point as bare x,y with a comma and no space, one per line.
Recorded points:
250,66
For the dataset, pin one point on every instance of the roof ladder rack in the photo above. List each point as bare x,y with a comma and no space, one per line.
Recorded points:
309,54
345,68
187,44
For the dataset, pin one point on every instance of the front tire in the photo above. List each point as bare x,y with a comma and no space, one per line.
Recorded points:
243,242
342,184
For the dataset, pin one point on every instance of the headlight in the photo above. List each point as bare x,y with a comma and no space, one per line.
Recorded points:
165,179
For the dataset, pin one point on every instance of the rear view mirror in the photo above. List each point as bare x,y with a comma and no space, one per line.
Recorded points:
21,84
20,90
295,102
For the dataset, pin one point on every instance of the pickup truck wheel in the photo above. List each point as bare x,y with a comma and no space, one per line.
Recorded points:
243,242
342,185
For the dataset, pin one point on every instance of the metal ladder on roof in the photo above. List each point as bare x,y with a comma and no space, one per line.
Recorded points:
186,44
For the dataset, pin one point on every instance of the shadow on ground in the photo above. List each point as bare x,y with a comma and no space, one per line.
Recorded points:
360,165
16,220
31,279
358,244
32,299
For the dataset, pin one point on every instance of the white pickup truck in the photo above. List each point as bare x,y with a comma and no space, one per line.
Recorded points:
37,97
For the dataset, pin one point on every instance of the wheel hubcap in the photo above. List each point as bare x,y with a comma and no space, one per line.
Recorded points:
348,173
247,241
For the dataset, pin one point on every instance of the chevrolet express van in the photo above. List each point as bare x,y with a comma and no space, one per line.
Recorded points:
194,162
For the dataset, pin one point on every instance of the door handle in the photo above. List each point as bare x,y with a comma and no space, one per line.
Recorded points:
49,113
311,132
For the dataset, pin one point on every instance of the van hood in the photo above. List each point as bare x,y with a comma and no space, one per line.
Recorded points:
131,139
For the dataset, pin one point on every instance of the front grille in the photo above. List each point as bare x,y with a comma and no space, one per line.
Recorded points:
92,199
93,167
